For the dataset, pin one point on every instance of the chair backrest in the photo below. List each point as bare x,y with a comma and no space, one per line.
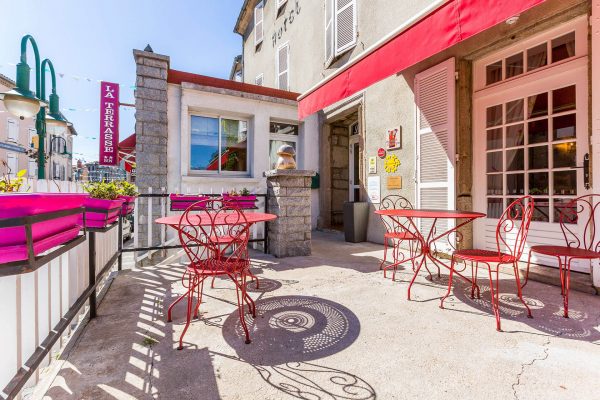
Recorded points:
578,222
395,202
211,230
513,227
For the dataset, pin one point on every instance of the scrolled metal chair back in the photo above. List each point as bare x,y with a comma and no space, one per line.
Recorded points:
195,230
577,220
230,222
395,202
513,227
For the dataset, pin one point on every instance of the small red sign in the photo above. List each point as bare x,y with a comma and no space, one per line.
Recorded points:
381,152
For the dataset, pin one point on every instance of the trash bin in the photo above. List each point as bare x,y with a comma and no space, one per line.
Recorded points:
356,219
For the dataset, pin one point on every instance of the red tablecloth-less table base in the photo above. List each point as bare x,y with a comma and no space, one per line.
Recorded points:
427,243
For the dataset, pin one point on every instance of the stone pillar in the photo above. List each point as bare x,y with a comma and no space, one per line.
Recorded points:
151,132
290,200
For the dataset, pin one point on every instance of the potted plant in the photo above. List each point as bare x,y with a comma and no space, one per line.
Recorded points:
103,206
181,202
128,192
242,199
45,234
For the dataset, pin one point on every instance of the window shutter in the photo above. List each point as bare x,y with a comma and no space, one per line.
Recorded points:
13,130
329,34
13,164
259,80
32,169
345,25
280,3
258,23
283,58
434,96
32,134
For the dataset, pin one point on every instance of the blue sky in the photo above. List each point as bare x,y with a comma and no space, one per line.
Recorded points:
94,40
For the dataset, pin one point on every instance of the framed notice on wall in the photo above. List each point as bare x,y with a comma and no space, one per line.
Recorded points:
394,138
372,165
374,189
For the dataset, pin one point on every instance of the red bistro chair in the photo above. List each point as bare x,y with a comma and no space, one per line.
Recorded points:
513,227
215,239
396,232
586,247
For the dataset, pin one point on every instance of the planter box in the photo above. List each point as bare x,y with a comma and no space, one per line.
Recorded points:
100,213
181,202
243,202
128,205
45,234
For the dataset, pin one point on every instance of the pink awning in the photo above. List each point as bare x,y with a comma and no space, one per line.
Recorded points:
451,23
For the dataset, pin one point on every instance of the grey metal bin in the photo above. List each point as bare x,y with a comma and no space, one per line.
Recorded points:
356,218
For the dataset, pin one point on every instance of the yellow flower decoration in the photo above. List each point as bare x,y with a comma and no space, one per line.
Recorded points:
391,163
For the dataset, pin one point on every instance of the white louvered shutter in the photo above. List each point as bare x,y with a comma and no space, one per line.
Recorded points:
283,62
13,130
12,162
258,23
280,3
259,80
345,25
329,31
434,96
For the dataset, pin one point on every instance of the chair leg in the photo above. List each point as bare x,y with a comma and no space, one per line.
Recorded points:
452,262
190,302
520,289
251,304
527,273
385,246
412,253
567,280
415,275
240,299
475,281
495,296
169,311
200,292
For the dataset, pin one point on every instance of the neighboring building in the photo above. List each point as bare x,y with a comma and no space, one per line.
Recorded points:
101,173
485,101
17,137
237,69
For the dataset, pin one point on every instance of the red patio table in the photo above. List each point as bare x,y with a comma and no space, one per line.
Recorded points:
427,244
204,219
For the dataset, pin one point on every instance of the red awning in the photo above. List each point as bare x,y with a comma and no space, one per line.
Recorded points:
127,152
451,23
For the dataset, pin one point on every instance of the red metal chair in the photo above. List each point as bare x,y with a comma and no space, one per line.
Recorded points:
397,231
513,227
584,247
215,239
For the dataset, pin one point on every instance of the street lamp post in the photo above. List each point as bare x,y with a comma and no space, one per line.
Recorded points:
23,103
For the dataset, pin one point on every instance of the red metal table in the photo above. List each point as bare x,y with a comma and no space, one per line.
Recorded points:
427,243
221,219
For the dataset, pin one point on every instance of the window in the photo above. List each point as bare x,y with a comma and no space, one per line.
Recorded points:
32,135
13,130
13,165
340,27
560,48
259,80
283,64
531,149
279,134
218,145
32,169
259,23
280,3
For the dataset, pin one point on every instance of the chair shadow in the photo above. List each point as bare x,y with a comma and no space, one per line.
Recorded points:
546,307
288,334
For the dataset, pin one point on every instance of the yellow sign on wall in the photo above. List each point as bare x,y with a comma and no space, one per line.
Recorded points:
391,163
394,182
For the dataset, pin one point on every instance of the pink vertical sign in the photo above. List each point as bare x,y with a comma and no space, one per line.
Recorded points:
109,123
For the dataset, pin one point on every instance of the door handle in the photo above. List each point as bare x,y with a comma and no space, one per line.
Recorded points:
586,170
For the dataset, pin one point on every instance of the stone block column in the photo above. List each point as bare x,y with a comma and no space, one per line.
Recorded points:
151,132
290,199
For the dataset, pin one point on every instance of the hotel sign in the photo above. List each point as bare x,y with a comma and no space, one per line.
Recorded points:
109,123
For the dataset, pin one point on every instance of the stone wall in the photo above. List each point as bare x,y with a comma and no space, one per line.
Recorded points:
151,133
290,199
339,172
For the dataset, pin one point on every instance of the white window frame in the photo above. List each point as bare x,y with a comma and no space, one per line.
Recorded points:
32,168
260,23
12,125
284,137
200,172
12,169
287,71
32,134
338,51
259,78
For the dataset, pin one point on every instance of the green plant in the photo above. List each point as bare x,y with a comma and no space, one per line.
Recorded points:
233,192
127,189
8,184
244,192
103,190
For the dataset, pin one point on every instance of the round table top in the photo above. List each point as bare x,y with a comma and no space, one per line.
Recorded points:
221,219
420,213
